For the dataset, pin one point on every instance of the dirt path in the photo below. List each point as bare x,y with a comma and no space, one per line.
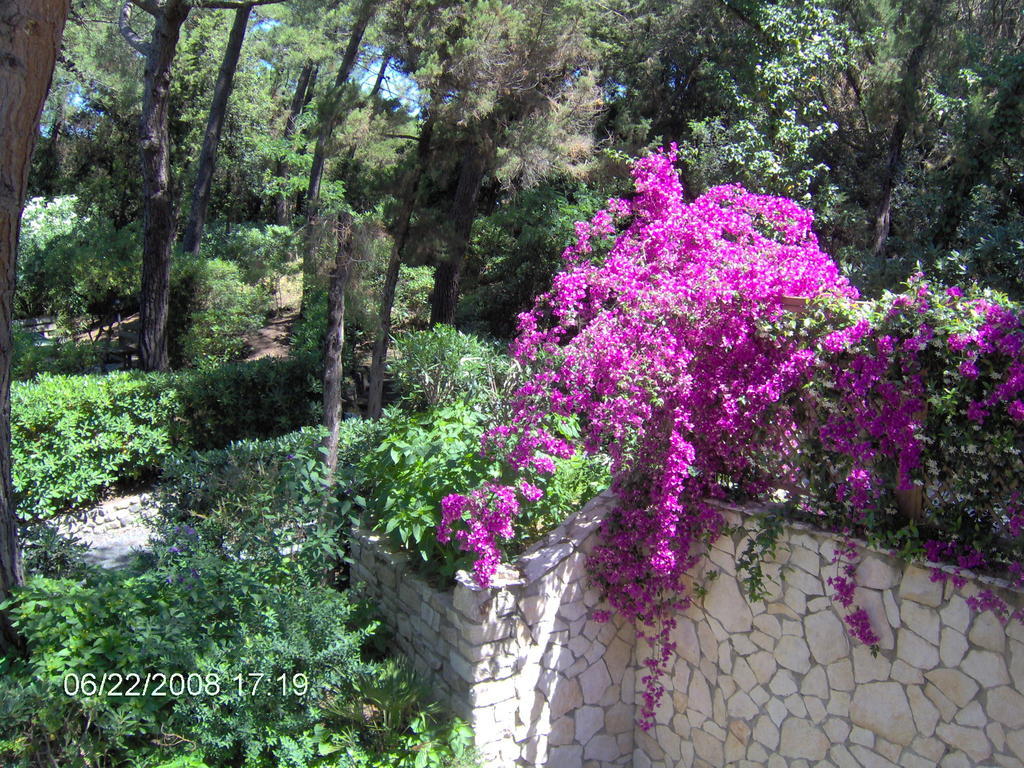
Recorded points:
272,339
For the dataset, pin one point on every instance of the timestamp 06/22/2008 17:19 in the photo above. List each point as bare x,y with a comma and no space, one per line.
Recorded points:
180,684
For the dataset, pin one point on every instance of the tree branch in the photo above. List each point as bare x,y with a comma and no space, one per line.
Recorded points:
129,34
230,4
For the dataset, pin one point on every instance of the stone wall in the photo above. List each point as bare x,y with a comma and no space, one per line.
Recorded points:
540,682
779,682
775,683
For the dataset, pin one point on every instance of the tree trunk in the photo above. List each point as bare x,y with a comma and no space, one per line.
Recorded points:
375,396
159,215
909,87
30,34
299,102
218,109
446,277
333,368
328,122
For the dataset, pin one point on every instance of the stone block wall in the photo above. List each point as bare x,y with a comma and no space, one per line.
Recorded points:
779,682
540,682
773,683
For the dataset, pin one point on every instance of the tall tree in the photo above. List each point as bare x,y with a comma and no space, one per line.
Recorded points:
333,368
159,210
30,34
325,132
218,110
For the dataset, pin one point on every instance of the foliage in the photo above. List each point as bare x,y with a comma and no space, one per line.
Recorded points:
76,436
439,365
405,477
264,254
48,552
73,261
212,309
31,358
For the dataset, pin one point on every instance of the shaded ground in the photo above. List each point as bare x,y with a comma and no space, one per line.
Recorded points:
272,339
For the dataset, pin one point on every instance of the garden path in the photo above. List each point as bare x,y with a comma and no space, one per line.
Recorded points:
114,530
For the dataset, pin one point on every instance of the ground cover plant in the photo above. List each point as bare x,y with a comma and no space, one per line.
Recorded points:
679,353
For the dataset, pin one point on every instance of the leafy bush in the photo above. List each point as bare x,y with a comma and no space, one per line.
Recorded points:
48,552
212,309
73,437
437,366
423,456
263,253
73,261
30,358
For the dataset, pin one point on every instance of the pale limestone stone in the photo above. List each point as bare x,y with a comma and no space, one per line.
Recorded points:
563,732
826,637
883,708
876,572
758,755
766,733
956,614
888,750
718,710
742,706
777,711
567,697
819,604
565,757
783,683
708,642
589,720
700,694
803,739
986,667
815,684
815,709
973,741
1017,663
594,681
795,705
906,674
954,685
841,756
892,609
867,667
918,586
988,633
763,665
805,582
760,696
862,736
1015,741
996,735
762,640
952,647
972,715
840,675
871,602
795,600
740,730
709,670
947,709
743,675
1006,706
910,760
617,658
714,729
837,730
708,747
725,658
839,704
870,759
929,748
734,750
922,620
669,741
792,627
725,603
955,760
680,677
806,560
742,645
603,748
926,716
685,638
769,624
793,653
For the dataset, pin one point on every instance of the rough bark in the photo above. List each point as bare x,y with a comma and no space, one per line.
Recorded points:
328,122
375,395
214,124
30,34
909,86
449,270
333,368
159,218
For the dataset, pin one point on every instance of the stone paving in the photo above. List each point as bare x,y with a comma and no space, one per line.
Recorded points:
114,530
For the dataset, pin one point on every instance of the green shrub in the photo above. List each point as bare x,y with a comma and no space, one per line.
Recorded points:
208,618
437,366
74,436
64,357
263,252
48,552
212,310
73,261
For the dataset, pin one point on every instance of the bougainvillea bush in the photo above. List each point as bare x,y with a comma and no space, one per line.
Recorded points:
671,334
